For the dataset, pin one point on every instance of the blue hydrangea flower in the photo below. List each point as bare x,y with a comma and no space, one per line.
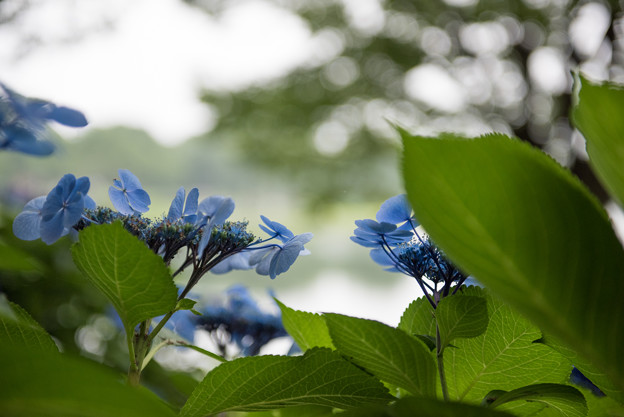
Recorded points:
23,122
178,210
127,194
397,246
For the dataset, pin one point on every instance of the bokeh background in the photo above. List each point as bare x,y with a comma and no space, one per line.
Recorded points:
287,106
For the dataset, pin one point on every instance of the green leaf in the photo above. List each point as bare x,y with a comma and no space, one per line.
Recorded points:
565,400
20,330
187,304
461,316
597,114
418,318
525,227
307,329
133,278
319,377
56,385
388,353
503,357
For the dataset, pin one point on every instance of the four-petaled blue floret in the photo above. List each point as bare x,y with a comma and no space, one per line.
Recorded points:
52,216
128,195
23,122
397,245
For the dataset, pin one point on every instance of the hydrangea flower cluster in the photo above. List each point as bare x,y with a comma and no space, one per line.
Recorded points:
23,122
241,322
212,243
397,245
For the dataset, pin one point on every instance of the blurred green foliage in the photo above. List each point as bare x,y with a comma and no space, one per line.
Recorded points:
358,82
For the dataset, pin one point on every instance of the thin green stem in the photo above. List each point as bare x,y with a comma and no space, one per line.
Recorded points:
158,327
134,373
152,352
440,357
168,342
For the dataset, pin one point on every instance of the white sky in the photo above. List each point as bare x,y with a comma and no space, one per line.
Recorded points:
147,69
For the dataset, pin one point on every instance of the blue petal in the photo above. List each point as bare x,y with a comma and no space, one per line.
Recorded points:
26,224
129,180
395,210
276,229
52,229
238,261
30,146
139,200
67,184
217,208
54,203
82,185
365,243
379,256
73,211
374,227
67,117
118,198
89,203
175,210
191,203
284,258
261,259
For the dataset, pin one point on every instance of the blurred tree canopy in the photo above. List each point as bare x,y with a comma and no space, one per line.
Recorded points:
469,66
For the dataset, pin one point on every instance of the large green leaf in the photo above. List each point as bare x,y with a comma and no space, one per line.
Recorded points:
390,354
20,330
525,227
598,115
563,400
463,317
56,385
133,278
319,377
307,329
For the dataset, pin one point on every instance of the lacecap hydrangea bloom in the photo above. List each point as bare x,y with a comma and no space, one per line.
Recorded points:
23,122
211,242
397,245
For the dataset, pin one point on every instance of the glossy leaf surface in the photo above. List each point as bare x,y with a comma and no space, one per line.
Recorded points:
512,217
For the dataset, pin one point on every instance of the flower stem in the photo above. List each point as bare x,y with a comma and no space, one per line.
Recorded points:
440,358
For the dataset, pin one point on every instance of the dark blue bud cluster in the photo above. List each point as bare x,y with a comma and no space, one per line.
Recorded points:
397,245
